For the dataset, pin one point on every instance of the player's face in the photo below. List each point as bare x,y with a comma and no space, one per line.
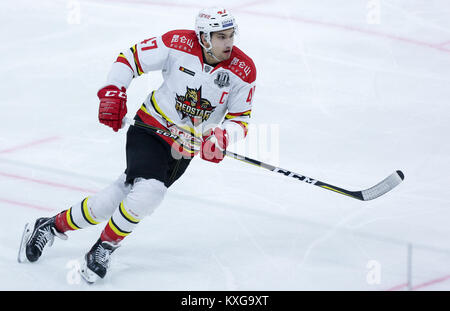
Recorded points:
222,43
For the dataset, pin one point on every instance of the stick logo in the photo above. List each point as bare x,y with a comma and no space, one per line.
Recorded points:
299,177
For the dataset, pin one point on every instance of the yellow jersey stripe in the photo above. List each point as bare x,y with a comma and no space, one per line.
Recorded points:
162,114
229,116
136,60
176,144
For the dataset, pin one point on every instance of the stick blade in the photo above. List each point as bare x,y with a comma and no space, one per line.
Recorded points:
384,186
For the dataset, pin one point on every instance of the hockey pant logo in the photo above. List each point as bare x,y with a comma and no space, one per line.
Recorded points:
164,133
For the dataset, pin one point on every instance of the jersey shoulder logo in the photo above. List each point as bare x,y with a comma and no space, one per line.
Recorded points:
181,40
241,65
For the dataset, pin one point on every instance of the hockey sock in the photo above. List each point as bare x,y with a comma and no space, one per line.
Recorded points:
76,217
144,197
120,225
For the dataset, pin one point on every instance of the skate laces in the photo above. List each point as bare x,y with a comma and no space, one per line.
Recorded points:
43,237
102,254
46,233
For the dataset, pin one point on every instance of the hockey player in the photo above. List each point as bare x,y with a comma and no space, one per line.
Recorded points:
205,99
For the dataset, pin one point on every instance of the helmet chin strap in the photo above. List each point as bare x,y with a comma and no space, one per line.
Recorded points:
210,53
208,50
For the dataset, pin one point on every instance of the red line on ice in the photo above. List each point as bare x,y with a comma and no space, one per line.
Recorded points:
425,284
183,5
436,46
33,143
432,282
398,287
26,205
166,4
48,183
444,43
257,2
352,28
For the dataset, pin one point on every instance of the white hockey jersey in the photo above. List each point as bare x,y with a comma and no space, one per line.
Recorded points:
194,95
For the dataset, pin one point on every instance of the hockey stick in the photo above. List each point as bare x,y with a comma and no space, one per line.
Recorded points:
371,193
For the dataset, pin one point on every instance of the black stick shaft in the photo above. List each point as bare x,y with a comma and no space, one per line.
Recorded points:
371,193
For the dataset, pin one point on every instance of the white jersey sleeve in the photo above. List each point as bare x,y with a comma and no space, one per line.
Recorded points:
148,55
240,100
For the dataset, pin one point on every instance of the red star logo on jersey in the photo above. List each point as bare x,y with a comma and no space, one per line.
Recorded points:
193,106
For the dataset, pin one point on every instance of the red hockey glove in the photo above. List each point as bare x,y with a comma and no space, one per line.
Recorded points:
214,145
113,106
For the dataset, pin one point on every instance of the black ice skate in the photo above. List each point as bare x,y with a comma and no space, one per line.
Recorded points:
34,240
97,260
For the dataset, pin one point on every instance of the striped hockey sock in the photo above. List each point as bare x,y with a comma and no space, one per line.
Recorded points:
120,225
76,217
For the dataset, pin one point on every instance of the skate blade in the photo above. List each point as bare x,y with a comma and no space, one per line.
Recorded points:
21,257
87,274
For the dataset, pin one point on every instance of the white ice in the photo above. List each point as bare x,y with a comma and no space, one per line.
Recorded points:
352,89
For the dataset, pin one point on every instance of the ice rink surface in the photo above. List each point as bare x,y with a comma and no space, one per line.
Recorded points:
349,91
